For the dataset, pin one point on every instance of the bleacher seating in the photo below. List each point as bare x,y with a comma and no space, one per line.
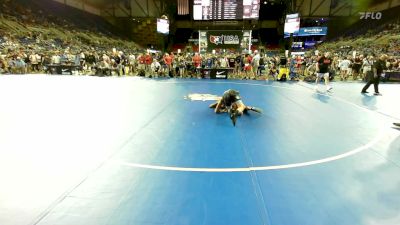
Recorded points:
48,11
364,26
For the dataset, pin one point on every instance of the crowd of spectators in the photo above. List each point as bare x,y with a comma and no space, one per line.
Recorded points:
346,63
32,39
25,48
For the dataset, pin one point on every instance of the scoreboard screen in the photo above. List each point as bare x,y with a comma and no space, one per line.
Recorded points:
226,9
292,25
162,26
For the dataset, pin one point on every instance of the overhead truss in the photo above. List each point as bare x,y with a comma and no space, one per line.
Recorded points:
324,8
135,8
82,5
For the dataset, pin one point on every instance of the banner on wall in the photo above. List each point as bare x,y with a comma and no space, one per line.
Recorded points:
203,41
313,31
309,44
224,39
297,44
310,31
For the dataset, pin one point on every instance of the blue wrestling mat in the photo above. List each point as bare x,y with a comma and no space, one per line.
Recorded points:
131,151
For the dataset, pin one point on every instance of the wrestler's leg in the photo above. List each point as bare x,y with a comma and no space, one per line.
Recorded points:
252,108
220,107
214,105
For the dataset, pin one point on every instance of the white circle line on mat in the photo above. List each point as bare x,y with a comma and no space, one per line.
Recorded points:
257,168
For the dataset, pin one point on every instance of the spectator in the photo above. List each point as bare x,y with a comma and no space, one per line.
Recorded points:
322,67
168,63
345,69
377,69
155,68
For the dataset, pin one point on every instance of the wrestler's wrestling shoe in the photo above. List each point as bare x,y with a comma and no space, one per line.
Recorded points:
255,109
396,124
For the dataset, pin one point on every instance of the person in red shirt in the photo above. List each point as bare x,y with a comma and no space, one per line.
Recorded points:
197,62
147,62
141,65
247,66
173,64
168,61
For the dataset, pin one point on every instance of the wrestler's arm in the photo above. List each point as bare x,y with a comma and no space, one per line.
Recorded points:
219,107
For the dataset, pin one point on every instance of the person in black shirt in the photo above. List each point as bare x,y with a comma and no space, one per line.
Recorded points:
238,65
116,64
283,70
356,67
232,103
283,61
91,59
377,69
323,64
261,67
231,61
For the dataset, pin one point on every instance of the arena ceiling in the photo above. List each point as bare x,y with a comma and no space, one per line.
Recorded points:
98,3
132,8
136,17
307,8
